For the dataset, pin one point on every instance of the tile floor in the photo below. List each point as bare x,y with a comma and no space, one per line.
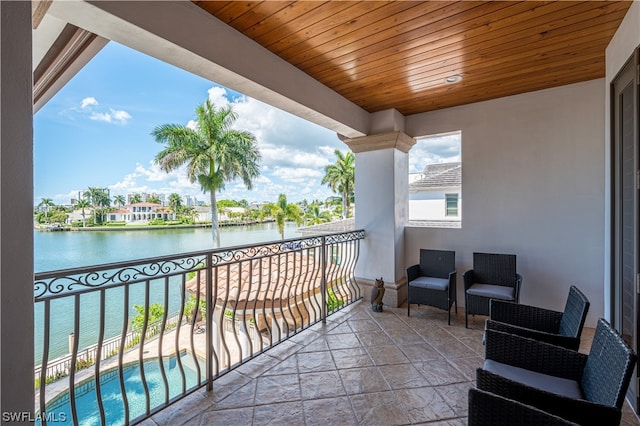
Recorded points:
361,368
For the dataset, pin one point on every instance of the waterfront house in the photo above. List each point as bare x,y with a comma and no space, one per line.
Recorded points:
130,214
544,94
141,213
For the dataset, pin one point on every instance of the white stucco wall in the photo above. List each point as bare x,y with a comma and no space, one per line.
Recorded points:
382,213
431,205
533,186
620,49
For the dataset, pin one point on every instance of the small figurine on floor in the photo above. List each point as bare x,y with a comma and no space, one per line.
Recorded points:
377,292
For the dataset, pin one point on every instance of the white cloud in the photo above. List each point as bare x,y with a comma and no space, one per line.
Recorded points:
152,179
90,108
120,116
100,116
283,156
88,102
218,95
297,175
113,116
432,150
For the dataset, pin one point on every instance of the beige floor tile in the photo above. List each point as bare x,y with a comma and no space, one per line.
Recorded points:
361,368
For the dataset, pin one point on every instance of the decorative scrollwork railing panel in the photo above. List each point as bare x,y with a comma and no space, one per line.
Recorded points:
173,324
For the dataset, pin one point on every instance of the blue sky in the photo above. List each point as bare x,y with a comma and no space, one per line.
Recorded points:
96,132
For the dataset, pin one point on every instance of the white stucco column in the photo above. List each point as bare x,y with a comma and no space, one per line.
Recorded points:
382,201
16,211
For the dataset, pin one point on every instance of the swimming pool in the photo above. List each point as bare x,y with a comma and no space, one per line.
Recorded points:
111,395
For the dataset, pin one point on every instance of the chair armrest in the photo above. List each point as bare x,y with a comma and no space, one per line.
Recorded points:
517,289
568,342
576,410
525,316
488,409
453,284
534,355
413,272
468,278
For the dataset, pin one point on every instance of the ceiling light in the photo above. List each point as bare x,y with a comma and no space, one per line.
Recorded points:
453,79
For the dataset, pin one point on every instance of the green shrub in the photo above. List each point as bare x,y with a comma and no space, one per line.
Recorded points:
82,363
333,302
154,315
190,305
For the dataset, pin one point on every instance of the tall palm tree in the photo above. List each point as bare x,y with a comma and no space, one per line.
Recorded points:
136,198
46,203
340,177
83,204
175,202
214,153
119,200
99,198
281,211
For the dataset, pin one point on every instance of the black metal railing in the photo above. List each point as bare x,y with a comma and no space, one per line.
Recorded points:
125,340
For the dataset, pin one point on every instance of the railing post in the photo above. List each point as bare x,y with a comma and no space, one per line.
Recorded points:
323,282
209,321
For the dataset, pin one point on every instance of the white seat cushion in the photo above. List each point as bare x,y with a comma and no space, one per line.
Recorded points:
430,283
556,385
491,291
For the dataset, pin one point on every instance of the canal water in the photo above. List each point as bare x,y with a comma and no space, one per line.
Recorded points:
64,250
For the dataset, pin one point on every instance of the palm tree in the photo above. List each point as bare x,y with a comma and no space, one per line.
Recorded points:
46,203
281,211
83,204
136,198
99,197
315,217
213,152
119,200
153,198
189,212
175,202
341,178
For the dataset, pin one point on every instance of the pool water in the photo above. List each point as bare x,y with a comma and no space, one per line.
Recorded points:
111,395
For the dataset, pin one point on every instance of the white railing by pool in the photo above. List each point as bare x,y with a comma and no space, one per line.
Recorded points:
172,325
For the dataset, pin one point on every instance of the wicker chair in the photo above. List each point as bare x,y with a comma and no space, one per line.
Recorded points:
433,281
585,389
559,328
493,276
487,409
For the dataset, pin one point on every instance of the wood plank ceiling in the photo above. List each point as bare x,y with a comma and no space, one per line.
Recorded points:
397,54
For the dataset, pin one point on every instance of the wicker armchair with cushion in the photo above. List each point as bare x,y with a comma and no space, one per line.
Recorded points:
487,409
433,281
585,389
493,276
559,328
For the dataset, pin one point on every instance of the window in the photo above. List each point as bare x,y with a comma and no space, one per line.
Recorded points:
435,181
451,204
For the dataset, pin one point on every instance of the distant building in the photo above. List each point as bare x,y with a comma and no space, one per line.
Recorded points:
436,193
256,205
202,214
190,201
230,213
141,213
